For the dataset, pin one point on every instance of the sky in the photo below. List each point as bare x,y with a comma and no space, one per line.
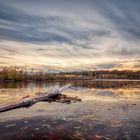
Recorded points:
70,34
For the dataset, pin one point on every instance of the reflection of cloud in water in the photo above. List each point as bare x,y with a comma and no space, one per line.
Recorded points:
105,93
14,91
118,93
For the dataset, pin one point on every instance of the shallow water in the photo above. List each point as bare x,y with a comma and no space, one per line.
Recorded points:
109,110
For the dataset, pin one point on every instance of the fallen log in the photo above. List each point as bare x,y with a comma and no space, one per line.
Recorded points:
29,101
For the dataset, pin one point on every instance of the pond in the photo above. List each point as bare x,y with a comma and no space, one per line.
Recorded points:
108,110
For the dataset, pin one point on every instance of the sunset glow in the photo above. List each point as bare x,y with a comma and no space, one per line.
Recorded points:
70,35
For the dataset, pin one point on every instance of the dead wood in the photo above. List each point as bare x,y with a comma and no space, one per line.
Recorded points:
53,94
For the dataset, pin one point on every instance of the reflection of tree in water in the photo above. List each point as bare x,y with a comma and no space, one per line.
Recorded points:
75,83
115,84
8,85
105,84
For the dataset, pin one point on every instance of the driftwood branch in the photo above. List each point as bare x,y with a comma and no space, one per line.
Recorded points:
50,95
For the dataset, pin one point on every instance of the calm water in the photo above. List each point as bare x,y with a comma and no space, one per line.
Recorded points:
109,110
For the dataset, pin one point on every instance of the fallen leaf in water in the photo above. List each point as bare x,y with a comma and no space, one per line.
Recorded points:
88,117
77,135
77,127
36,128
97,137
115,123
25,121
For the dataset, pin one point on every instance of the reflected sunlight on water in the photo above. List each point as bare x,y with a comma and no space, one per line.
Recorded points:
104,106
102,90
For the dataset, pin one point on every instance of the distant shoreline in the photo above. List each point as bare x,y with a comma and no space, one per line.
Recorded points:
116,80
92,80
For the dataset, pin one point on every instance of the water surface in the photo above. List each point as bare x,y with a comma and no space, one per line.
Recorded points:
109,110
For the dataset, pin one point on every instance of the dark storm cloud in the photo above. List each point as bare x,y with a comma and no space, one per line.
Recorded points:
25,26
20,26
15,25
125,50
124,15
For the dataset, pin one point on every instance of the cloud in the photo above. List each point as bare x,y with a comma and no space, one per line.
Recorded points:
19,26
70,34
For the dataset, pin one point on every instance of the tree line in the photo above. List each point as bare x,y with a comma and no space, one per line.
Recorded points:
14,74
